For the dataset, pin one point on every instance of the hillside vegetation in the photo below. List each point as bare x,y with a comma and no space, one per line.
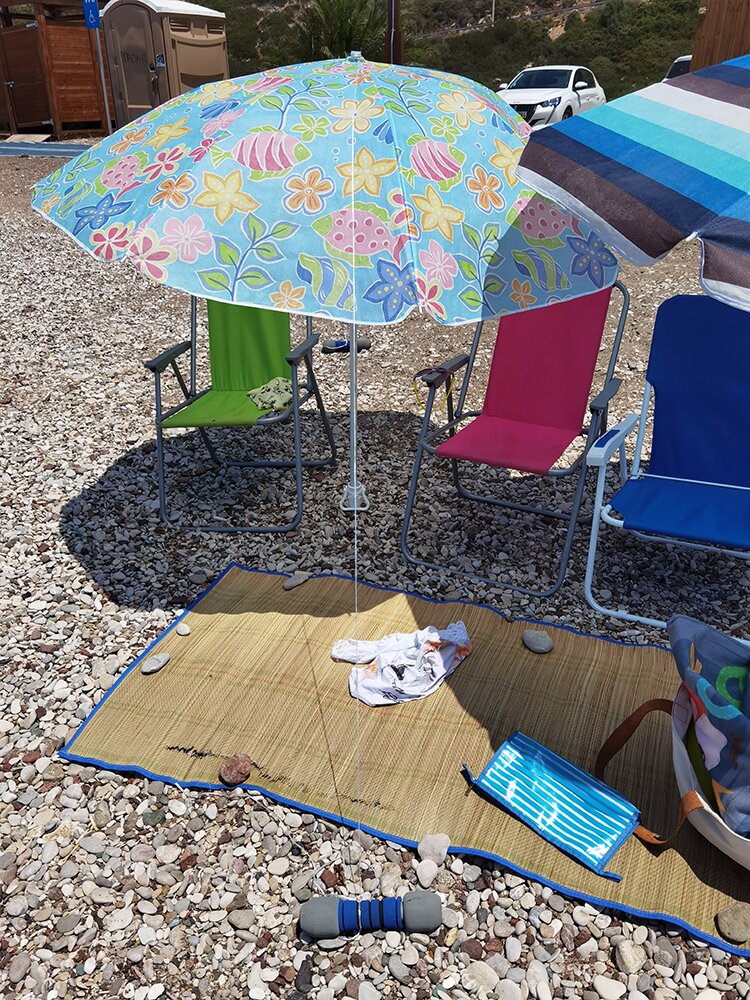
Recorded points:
627,44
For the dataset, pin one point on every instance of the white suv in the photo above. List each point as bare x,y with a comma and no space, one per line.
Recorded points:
546,94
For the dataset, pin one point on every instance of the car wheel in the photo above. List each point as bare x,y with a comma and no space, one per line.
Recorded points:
567,113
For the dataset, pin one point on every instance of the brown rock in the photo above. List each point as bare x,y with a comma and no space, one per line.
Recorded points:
328,878
473,949
235,769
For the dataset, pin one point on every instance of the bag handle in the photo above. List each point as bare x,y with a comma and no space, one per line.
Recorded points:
689,802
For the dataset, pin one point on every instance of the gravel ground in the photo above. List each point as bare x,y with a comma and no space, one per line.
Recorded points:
124,887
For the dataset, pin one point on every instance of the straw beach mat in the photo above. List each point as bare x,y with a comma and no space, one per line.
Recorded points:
255,676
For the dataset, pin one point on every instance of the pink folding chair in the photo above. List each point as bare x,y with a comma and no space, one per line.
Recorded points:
534,408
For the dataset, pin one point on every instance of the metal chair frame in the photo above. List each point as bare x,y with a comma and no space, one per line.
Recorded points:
302,391
599,457
598,408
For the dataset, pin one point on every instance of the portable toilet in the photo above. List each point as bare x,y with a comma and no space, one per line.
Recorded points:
158,49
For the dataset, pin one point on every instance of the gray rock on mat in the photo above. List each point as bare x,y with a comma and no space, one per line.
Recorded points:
235,769
434,847
733,922
537,640
183,629
154,663
298,576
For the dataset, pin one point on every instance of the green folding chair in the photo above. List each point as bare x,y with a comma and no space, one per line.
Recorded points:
248,347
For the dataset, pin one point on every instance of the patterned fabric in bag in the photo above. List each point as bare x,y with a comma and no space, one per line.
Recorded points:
567,806
714,669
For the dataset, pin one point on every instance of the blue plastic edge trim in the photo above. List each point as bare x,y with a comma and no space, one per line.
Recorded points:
497,859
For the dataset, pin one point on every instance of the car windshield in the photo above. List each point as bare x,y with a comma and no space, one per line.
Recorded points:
678,68
540,79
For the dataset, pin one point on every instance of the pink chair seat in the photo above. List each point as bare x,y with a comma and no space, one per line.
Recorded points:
508,444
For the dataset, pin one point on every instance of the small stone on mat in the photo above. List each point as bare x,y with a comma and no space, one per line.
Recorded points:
154,663
235,769
299,576
733,922
537,640
183,629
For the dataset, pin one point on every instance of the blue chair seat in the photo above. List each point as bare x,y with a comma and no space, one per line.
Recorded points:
696,512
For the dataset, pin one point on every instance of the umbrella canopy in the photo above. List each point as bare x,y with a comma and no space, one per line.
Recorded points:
658,166
343,189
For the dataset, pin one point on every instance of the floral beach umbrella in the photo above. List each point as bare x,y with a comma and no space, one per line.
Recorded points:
342,189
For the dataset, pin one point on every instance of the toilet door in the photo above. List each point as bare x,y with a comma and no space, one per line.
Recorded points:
131,43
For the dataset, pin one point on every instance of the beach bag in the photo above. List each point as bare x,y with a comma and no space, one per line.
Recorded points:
710,717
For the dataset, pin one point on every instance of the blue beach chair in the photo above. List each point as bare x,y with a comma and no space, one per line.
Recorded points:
696,490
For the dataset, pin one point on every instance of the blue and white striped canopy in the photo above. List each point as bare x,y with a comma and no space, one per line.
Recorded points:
658,166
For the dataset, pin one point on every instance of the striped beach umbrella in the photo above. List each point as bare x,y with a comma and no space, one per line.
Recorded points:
659,166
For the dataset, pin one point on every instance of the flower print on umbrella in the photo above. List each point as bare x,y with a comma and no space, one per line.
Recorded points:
521,294
307,193
201,150
486,189
189,238
288,296
131,138
121,175
355,115
444,128
394,289
222,122
365,173
166,162
429,297
150,256
112,242
436,214
404,213
506,159
462,108
438,265
97,216
309,127
591,257
217,91
164,133
225,195
174,191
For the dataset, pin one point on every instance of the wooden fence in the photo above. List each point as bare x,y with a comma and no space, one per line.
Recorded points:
723,32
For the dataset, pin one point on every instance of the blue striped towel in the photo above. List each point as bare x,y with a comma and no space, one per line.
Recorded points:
567,806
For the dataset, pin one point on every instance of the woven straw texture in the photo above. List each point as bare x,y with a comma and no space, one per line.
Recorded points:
255,676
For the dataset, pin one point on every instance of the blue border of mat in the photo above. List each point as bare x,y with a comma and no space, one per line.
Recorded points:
497,859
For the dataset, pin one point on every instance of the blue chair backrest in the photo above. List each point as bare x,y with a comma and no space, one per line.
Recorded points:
699,367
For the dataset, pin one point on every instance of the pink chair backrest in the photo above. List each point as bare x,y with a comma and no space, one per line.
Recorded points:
544,360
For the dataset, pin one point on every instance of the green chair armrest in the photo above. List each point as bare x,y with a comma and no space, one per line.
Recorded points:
163,360
297,353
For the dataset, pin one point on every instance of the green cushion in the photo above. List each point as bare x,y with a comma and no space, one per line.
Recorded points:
248,346
217,409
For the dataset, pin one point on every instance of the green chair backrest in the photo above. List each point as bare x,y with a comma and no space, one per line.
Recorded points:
247,346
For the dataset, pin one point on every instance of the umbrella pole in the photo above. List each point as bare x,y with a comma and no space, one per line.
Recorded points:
354,497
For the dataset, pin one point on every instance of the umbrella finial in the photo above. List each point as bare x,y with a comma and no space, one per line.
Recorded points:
355,57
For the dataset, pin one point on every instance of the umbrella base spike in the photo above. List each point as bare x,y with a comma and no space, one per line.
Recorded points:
354,498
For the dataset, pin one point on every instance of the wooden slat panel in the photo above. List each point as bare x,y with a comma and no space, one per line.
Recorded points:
723,32
76,75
